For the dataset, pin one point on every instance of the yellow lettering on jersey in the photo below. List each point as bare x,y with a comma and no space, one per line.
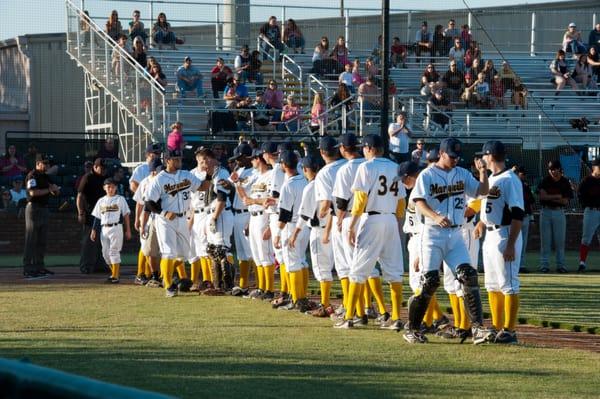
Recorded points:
109,208
173,189
494,193
443,192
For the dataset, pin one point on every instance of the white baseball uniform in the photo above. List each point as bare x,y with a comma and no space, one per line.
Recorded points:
324,182
140,173
262,250
224,223
174,190
149,245
445,192
276,182
201,210
289,200
412,227
110,211
377,235
241,216
506,192
321,255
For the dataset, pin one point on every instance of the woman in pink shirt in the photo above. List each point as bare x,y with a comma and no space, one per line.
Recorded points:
290,115
318,116
273,98
175,138
357,79
11,164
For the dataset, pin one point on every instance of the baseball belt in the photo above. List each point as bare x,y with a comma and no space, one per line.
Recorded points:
238,210
496,227
258,213
110,224
203,210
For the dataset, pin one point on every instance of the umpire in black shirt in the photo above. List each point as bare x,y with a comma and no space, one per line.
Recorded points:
39,189
90,190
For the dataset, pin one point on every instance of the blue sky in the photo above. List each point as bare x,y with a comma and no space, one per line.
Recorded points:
47,16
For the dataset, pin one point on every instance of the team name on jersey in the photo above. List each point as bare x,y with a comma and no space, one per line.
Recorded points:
494,193
173,189
441,193
259,188
109,208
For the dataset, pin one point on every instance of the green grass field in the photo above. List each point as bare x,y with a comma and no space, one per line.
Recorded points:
194,346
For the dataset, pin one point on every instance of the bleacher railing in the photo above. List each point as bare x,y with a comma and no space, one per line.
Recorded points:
130,85
291,67
268,52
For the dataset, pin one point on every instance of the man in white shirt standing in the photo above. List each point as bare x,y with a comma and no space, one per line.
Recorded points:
399,134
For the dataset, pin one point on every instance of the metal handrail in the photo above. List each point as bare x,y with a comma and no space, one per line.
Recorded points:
324,88
343,114
284,69
263,53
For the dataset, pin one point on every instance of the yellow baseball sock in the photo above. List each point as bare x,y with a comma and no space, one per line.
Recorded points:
325,292
206,269
360,303
283,278
195,270
436,310
345,283
295,284
496,300
396,293
377,290
511,308
428,317
253,267
180,267
244,273
354,293
148,267
301,285
465,322
366,296
141,263
454,304
260,278
305,279
115,268
166,268
269,278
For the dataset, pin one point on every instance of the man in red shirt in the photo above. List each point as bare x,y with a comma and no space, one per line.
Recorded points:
219,76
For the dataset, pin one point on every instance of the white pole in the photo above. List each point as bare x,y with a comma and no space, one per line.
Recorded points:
347,27
151,39
217,21
283,19
532,48
408,26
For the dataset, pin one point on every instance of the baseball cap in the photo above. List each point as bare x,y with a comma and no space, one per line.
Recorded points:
284,146
424,23
187,58
373,141
311,162
154,147
554,164
349,140
327,143
174,154
521,169
242,150
408,168
268,147
289,158
156,163
17,178
492,147
451,146
256,153
596,162
572,25
99,162
433,155
109,180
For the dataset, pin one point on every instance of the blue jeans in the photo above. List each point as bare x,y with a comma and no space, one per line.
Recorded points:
257,77
164,38
553,227
295,42
576,47
524,234
185,86
591,222
267,49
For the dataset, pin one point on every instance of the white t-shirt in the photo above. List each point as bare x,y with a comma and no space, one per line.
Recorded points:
18,196
346,78
110,209
506,192
174,190
140,173
398,142
377,178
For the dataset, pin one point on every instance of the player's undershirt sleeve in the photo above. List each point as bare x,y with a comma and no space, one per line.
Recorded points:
360,203
401,208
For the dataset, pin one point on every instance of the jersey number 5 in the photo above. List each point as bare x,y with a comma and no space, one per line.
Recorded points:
488,207
383,189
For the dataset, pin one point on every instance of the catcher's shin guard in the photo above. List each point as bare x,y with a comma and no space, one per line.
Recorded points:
227,273
467,276
417,304
215,265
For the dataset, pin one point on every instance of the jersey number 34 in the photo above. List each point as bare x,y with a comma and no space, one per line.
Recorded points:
383,189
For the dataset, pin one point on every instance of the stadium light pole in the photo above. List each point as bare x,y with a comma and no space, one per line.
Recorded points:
385,70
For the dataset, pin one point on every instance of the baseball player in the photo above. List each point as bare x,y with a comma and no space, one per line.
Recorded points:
169,196
440,195
110,213
379,200
294,251
144,224
324,182
589,196
502,213
242,178
258,226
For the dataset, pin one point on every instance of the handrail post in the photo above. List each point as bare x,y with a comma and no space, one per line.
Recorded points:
283,19
532,46
347,26
361,117
408,26
217,34
78,33
121,74
344,119
92,51
151,10
107,63
137,93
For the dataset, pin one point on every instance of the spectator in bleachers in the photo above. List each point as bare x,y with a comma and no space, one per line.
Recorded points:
430,80
11,163
489,71
467,93
108,150
472,53
476,67
457,53
18,195
157,73
593,59
450,33
594,38
377,52
454,81
175,137
357,78
84,27
508,76
560,72
399,133
219,76
371,69
438,48
341,95
293,37
519,94
113,26
136,28
582,73
162,32
497,90
465,36
254,74
262,117
572,41
321,51
6,205
31,157
340,52
369,95
290,115
318,117
424,41
419,155
241,64
189,78
399,54
441,110
273,98
236,94
481,91
117,57
139,52
270,33
346,77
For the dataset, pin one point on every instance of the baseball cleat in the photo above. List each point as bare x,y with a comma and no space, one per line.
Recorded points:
171,292
321,311
45,271
111,280
482,335
506,337
383,318
544,269
344,324
448,333
195,288
394,325
562,270
254,294
140,280
213,292
34,276
371,313
238,291
414,337
441,323
362,321
283,300
581,268
290,305
153,283
268,296
303,305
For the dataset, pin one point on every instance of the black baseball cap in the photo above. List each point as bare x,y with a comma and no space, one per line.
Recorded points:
284,146
110,180
554,164
156,163
268,147
256,153
328,143
596,162
349,140
408,168
451,146
288,158
154,147
492,147
187,58
311,162
242,150
174,154
373,141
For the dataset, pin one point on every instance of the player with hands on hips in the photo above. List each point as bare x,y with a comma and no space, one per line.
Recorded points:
379,201
502,212
440,196
110,213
